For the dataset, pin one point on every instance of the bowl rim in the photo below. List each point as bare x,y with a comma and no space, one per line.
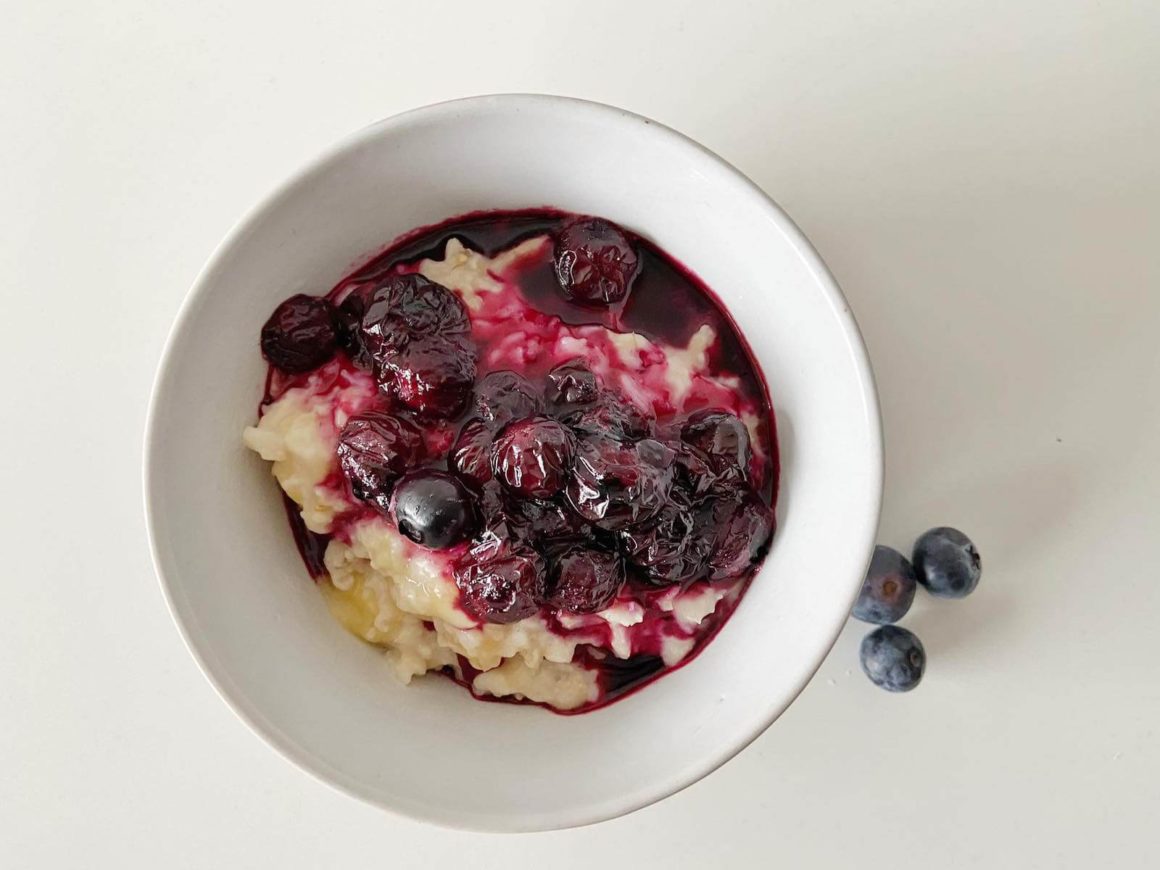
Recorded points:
864,536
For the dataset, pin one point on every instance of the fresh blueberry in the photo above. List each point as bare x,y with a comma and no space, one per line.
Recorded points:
888,590
433,508
947,563
893,658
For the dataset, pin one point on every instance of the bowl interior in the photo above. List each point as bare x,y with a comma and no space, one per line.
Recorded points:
262,632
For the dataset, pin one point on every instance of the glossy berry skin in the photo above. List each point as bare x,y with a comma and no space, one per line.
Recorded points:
721,437
947,563
893,658
584,580
615,485
572,383
543,521
531,457
348,317
300,335
471,455
668,549
400,308
374,450
431,376
742,525
433,508
503,396
504,589
888,590
595,262
610,414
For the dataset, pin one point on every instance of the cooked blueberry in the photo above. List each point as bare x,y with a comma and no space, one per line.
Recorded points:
300,335
504,589
610,414
741,528
471,456
584,580
431,375
697,476
572,383
348,317
595,262
374,450
614,484
400,308
543,520
667,548
504,396
888,589
433,508
720,436
893,658
531,457
947,563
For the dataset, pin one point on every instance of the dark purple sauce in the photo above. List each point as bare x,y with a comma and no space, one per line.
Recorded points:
311,545
668,304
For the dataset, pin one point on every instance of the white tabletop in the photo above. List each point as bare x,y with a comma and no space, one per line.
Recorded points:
983,180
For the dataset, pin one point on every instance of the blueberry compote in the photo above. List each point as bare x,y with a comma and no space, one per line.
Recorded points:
557,415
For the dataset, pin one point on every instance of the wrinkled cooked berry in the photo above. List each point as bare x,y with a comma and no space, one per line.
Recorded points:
531,457
721,436
300,335
433,508
541,520
610,414
471,456
615,485
349,315
695,474
667,548
595,262
583,580
572,383
740,525
505,589
431,375
504,396
374,450
401,308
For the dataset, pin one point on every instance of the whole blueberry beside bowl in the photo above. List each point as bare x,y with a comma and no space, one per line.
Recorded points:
947,563
893,658
888,590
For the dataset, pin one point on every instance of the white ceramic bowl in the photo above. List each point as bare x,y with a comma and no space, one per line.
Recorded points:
236,585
